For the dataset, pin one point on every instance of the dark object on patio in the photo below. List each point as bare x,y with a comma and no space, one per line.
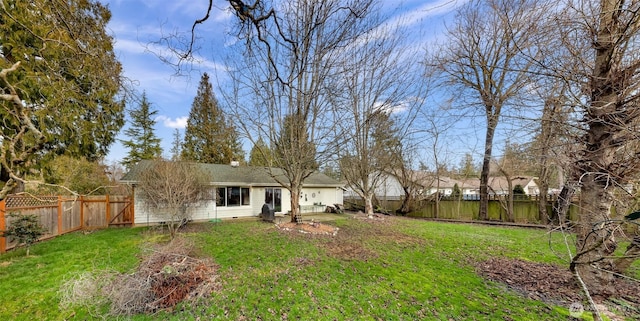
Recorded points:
267,213
336,208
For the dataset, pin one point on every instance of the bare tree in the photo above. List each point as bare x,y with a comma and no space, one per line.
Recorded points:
487,57
171,188
376,97
437,127
290,54
553,142
516,160
403,153
602,38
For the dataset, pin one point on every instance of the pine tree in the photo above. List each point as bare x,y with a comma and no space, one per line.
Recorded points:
293,145
176,146
59,83
261,154
143,142
208,138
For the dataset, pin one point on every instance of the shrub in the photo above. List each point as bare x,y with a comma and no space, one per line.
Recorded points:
25,229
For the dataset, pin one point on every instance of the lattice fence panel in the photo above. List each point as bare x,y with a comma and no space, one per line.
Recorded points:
25,201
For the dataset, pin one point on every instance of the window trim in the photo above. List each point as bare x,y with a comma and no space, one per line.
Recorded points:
226,192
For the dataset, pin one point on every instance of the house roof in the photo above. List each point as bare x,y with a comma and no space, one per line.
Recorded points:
496,183
240,175
501,183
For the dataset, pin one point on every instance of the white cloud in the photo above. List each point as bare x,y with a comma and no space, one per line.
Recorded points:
179,122
430,9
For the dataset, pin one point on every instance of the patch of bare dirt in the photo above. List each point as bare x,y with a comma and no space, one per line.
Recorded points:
362,240
375,217
349,251
315,228
554,284
198,227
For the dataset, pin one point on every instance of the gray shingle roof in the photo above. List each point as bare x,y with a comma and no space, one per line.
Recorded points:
241,175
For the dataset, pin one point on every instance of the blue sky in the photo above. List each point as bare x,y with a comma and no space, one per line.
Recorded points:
138,24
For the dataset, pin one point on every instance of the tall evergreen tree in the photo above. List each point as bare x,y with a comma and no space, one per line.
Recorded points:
143,142
176,145
208,137
59,80
261,154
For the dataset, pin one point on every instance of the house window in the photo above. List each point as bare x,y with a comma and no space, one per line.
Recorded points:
273,197
222,197
233,196
244,196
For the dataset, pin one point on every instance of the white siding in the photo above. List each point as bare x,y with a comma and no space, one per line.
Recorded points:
389,189
209,210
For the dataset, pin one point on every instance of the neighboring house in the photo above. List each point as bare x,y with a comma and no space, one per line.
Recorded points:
500,185
390,188
241,191
470,186
497,185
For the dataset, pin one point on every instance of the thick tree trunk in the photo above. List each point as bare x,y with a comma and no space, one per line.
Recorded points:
600,168
295,203
594,239
407,202
368,204
492,122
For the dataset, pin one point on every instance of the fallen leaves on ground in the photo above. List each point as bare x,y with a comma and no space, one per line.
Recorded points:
554,284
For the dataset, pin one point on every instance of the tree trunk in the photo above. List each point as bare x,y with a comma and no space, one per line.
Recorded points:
492,122
295,203
406,202
543,215
599,168
543,203
368,204
437,199
594,241
510,215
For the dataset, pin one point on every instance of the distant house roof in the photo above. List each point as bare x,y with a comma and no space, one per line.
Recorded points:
427,179
240,175
500,184
496,183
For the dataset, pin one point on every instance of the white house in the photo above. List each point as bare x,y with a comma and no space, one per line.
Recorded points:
241,191
427,184
500,185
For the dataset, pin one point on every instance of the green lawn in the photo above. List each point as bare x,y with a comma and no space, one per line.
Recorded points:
402,269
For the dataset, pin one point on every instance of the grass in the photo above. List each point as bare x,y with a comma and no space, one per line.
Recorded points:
29,285
405,270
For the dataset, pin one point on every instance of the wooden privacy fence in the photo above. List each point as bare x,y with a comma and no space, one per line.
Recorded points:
60,214
466,208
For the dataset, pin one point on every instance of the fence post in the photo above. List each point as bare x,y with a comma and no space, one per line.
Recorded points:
108,209
3,241
81,212
132,213
60,231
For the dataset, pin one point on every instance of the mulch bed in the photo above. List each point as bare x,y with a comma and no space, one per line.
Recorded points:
553,284
375,217
315,228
